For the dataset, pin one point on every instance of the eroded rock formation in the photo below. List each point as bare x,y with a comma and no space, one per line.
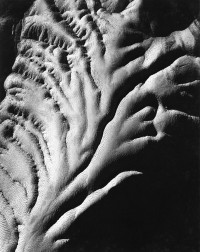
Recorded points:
102,94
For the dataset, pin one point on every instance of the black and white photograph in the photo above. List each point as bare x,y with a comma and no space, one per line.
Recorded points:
99,126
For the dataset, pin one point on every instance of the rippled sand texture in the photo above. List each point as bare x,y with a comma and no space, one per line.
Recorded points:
102,94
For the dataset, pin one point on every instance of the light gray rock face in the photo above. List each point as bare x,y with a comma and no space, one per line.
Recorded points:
101,93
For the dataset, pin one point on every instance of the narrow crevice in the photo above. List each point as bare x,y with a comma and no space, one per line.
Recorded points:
16,222
20,116
14,181
34,177
36,142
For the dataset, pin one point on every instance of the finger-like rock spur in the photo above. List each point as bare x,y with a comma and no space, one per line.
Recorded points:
102,104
